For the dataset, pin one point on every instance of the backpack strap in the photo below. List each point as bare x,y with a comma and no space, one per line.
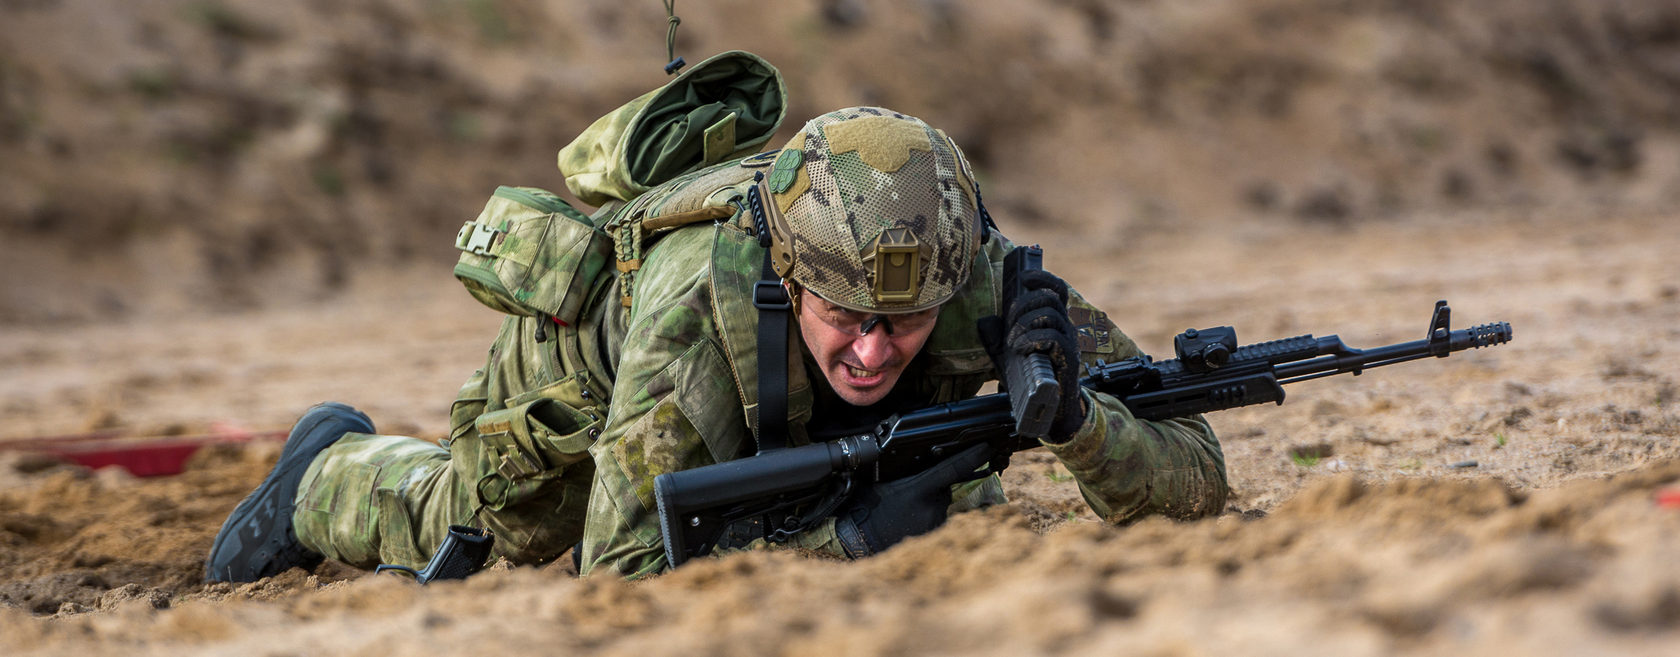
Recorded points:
700,196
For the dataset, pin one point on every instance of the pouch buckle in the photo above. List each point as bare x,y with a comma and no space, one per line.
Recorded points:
477,238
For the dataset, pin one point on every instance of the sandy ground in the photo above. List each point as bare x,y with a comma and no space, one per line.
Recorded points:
1349,532
214,213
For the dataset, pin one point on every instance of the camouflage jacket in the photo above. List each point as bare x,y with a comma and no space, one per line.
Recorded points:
680,368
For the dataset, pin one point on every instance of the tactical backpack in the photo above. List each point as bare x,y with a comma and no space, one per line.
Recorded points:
530,253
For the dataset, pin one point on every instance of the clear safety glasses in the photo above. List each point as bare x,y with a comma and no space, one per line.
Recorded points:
858,323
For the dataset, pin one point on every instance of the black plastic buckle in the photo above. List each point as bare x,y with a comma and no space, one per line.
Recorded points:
770,295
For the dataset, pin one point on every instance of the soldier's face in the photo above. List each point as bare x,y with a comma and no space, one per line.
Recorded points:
860,355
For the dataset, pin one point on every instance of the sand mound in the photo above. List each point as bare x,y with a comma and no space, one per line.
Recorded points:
1358,567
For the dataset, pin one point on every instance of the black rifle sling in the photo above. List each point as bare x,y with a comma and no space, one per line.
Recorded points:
772,302
773,305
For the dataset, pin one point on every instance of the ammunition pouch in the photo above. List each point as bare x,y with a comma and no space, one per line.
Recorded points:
529,253
523,451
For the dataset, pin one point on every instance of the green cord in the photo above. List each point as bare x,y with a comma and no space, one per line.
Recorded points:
671,33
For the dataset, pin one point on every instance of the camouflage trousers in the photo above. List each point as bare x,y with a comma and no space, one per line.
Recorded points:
371,499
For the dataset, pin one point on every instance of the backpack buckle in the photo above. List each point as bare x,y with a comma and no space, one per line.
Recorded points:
476,238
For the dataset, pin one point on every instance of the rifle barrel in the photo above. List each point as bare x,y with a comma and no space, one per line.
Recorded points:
1338,358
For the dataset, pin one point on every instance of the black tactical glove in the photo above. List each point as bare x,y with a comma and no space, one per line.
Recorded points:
1036,322
885,513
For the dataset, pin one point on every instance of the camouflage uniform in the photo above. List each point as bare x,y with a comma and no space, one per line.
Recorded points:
534,455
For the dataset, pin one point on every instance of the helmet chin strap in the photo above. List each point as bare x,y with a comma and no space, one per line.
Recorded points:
792,288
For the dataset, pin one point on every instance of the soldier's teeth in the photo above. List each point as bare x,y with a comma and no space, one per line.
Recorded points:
862,374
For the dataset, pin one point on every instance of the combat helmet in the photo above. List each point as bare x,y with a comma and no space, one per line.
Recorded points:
874,211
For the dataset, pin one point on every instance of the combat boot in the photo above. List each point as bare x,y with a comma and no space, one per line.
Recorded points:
257,539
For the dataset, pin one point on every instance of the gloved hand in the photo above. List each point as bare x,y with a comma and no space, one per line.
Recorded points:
885,513
1036,322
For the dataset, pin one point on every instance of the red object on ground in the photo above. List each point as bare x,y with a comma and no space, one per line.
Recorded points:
1668,498
144,457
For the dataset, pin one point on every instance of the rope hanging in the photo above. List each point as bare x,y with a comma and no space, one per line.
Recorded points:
673,61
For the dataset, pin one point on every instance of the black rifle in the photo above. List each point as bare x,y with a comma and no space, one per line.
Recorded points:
791,489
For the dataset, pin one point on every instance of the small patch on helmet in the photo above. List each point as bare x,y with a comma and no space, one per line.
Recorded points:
786,169
883,143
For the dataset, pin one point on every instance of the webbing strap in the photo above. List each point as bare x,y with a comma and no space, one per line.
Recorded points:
772,302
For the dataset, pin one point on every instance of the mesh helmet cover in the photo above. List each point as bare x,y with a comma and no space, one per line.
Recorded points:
880,211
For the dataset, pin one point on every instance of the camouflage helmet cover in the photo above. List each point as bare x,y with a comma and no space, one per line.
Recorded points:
877,211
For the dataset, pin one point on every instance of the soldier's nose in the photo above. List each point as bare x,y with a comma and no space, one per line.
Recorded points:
873,350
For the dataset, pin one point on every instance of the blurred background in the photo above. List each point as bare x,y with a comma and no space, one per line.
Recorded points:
184,155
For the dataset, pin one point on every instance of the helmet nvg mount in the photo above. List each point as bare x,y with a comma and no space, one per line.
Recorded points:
873,210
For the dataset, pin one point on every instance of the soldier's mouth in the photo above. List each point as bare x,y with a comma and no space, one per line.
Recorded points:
862,373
